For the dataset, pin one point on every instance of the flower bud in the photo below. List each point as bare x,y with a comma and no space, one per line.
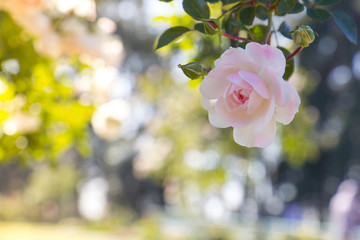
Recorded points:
303,36
212,26
192,70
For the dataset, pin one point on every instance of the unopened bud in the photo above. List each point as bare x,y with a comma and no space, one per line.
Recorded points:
303,36
212,26
192,70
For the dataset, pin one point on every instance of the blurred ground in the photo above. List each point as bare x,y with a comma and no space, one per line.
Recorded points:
29,231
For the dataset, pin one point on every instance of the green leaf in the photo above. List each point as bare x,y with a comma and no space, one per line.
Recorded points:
199,27
170,35
318,14
165,0
307,3
298,8
238,25
242,26
247,15
197,9
259,31
346,25
224,2
285,30
231,6
325,2
290,65
286,6
262,12
227,25
212,1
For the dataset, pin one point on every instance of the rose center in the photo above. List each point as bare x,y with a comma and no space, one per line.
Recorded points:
241,95
236,97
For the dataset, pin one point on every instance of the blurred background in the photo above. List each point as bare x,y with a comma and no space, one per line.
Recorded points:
103,138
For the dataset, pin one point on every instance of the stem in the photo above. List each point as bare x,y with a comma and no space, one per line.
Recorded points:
269,38
268,28
294,53
236,37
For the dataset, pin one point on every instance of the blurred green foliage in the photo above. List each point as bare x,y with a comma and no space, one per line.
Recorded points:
40,114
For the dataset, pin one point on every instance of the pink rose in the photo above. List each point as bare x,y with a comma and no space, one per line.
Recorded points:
246,91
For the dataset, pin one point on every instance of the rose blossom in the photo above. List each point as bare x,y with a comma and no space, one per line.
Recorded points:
246,91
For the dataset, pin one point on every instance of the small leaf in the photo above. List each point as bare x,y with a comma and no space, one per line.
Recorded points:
318,14
238,25
231,6
227,24
242,26
165,0
212,1
247,15
224,2
307,3
284,29
298,8
325,2
290,65
286,6
170,35
199,27
197,9
346,25
262,12
259,31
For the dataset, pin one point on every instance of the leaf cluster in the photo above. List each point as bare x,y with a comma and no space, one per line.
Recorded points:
238,18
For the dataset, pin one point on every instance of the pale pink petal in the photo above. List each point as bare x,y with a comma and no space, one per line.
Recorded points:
256,82
217,121
276,85
244,136
254,102
208,103
264,114
249,138
231,61
215,83
238,81
267,135
267,56
238,58
214,119
286,114
236,118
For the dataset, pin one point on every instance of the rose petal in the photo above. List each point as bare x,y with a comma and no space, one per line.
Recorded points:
238,81
236,57
267,56
247,137
207,103
215,83
276,85
267,135
231,61
244,136
236,118
214,119
254,102
264,114
256,82
286,114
